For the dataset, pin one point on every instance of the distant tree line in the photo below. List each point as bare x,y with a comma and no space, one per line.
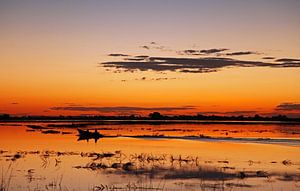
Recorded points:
152,116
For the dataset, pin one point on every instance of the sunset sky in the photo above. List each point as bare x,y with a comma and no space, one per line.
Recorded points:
115,57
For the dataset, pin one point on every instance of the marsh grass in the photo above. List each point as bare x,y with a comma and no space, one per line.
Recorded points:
6,177
158,168
55,184
140,185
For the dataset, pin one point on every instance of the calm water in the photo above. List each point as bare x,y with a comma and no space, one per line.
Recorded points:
48,156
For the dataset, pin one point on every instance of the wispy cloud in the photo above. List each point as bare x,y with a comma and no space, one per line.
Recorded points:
154,46
202,52
145,47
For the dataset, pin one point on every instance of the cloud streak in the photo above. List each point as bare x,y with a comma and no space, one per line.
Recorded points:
118,55
288,60
213,50
268,58
121,109
288,107
241,53
202,52
234,113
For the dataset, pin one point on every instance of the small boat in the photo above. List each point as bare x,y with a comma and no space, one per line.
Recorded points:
86,135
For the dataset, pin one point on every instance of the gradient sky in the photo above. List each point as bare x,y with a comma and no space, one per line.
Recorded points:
53,53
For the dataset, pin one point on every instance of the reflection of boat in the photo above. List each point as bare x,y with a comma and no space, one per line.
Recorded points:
86,135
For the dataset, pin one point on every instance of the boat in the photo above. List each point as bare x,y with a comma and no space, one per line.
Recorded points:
86,135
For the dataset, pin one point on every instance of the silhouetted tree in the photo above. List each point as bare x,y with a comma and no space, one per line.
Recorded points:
4,116
280,117
155,115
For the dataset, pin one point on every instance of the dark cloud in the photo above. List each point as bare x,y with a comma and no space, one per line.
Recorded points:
188,65
202,52
286,60
122,109
191,52
268,58
241,53
14,103
213,50
142,56
118,55
288,107
135,59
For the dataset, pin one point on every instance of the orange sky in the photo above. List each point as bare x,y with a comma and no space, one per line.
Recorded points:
52,55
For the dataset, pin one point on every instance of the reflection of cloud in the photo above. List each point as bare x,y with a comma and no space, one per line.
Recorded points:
189,65
200,173
288,107
159,168
122,108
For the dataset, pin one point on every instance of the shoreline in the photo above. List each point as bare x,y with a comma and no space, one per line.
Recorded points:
169,121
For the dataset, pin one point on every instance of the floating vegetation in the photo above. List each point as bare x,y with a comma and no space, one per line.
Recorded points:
36,127
135,186
51,132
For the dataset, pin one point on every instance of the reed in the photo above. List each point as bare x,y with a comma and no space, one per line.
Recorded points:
6,177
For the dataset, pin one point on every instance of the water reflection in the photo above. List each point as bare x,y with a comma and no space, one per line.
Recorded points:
38,156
